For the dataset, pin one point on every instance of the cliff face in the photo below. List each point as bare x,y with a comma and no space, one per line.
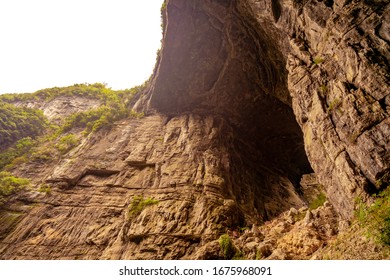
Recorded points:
250,61
247,97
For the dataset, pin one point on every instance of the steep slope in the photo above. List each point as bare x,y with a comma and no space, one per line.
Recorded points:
246,98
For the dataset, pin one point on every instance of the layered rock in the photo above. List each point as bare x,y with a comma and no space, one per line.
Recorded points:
62,106
185,163
328,60
243,90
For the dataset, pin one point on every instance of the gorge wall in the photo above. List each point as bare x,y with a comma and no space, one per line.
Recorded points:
247,96
251,61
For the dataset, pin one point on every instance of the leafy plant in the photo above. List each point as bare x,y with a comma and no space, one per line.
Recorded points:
20,148
17,123
21,129
10,184
67,142
96,90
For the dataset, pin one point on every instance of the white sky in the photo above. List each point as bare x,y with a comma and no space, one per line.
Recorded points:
47,43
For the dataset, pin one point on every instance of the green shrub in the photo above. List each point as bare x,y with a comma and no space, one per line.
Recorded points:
20,127
17,123
96,90
66,143
43,153
138,203
10,184
17,152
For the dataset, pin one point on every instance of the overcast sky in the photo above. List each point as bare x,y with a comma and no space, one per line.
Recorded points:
47,43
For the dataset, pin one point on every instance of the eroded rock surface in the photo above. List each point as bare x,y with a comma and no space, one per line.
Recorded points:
185,163
247,96
328,60
62,106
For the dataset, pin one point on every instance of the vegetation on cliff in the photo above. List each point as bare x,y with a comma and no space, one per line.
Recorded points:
21,126
26,135
95,91
139,203
18,122
10,184
375,219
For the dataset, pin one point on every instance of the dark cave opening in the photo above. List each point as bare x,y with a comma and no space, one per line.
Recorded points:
228,67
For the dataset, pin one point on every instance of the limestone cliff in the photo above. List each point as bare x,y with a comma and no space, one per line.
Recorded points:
246,98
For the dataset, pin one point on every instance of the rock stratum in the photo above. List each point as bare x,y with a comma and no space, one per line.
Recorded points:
253,110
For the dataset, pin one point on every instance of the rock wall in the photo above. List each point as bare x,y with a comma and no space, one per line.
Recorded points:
244,95
185,163
249,61
62,106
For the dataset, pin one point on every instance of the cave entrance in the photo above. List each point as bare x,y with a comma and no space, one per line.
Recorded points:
216,60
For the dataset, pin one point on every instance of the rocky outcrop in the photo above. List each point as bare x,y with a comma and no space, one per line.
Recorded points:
185,163
247,97
328,60
62,106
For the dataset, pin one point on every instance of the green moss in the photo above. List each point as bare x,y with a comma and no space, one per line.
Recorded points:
44,188
334,104
384,180
318,60
318,201
139,203
259,255
8,220
163,6
384,232
238,256
323,88
227,247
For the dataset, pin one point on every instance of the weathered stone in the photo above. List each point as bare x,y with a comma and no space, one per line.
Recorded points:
247,96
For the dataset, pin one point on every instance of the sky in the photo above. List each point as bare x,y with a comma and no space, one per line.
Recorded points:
48,43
